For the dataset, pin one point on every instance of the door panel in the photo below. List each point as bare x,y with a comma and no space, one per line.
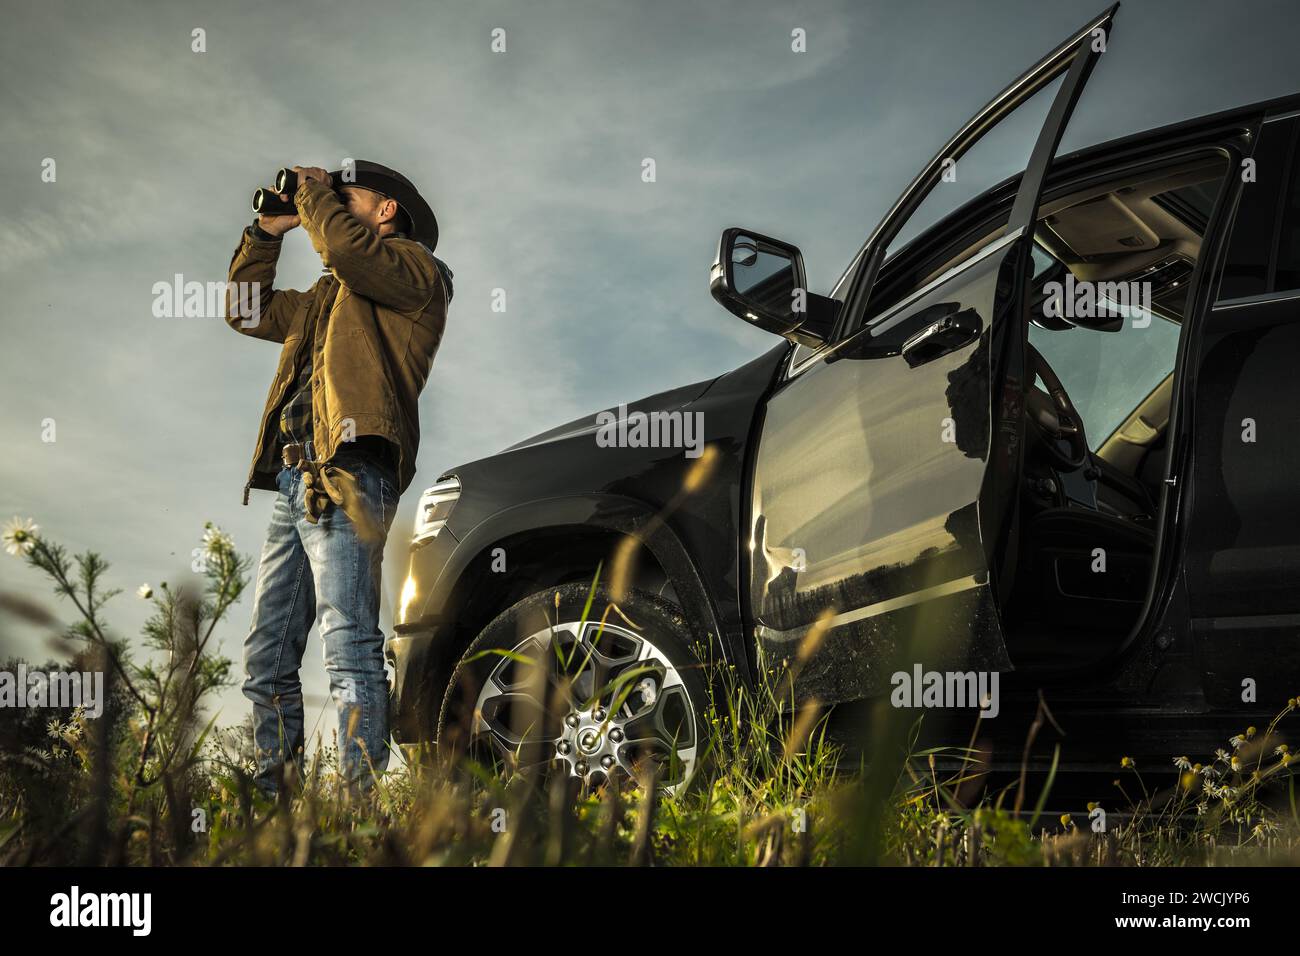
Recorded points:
1242,554
865,500
886,472
1243,550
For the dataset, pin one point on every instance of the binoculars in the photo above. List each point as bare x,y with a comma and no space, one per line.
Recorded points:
267,202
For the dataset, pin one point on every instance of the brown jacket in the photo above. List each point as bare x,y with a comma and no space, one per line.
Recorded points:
387,306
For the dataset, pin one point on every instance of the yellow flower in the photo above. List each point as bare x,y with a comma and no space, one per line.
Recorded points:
1127,763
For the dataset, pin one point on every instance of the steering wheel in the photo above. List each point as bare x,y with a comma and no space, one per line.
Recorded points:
1054,417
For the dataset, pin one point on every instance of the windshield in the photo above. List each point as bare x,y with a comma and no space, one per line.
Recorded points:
1108,374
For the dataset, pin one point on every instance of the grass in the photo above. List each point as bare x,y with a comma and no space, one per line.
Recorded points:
152,783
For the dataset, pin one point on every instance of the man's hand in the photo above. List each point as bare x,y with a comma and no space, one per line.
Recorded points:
314,173
279,225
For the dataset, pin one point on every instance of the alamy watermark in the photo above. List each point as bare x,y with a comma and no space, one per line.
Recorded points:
59,689
922,688
208,300
1091,300
677,429
133,911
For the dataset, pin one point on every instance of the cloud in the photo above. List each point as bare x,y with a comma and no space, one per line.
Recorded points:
533,162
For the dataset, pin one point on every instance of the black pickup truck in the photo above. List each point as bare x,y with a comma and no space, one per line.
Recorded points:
1043,427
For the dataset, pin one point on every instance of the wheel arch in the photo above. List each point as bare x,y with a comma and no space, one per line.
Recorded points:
553,542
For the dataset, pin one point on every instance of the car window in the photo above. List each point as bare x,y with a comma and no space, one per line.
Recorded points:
1043,261
1001,153
1108,374
1264,249
1287,274
914,256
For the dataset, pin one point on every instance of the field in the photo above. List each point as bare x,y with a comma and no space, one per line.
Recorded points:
151,783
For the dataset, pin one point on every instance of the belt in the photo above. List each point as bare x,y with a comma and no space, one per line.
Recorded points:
323,483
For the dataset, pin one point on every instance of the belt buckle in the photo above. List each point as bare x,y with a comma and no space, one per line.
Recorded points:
294,453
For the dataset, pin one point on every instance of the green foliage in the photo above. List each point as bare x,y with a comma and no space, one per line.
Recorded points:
152,783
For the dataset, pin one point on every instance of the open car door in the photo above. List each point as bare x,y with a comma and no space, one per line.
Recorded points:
886,477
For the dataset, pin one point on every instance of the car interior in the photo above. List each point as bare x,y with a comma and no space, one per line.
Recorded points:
1090,496
1098,413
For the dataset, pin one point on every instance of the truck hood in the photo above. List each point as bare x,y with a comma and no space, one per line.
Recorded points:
667,401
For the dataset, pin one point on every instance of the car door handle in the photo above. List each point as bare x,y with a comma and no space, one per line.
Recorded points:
946,334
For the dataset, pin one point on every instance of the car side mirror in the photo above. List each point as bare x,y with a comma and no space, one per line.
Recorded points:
762,280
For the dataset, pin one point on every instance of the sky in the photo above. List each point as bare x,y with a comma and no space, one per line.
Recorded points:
532,159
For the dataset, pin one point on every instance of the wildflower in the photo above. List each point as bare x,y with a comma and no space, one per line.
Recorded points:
1093,806
1282,749
73,728
1220,755
1127,763
1237,742
1065,820
1250,732
1236,763
1186,780
216,542
144,591
1182,763
20,535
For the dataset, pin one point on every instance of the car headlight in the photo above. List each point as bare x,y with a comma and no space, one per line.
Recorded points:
435,505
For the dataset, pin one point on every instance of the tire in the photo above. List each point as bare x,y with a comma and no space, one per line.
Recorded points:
505,712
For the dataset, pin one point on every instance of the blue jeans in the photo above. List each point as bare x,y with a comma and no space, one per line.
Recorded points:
321,573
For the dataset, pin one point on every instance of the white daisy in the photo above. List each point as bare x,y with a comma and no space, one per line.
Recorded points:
216,541
20,535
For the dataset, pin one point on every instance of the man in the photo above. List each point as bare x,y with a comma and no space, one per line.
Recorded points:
338,439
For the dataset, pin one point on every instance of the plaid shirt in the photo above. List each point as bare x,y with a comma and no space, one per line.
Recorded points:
296,421
295,413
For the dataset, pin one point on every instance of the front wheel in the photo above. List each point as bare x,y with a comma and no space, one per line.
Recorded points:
606,697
